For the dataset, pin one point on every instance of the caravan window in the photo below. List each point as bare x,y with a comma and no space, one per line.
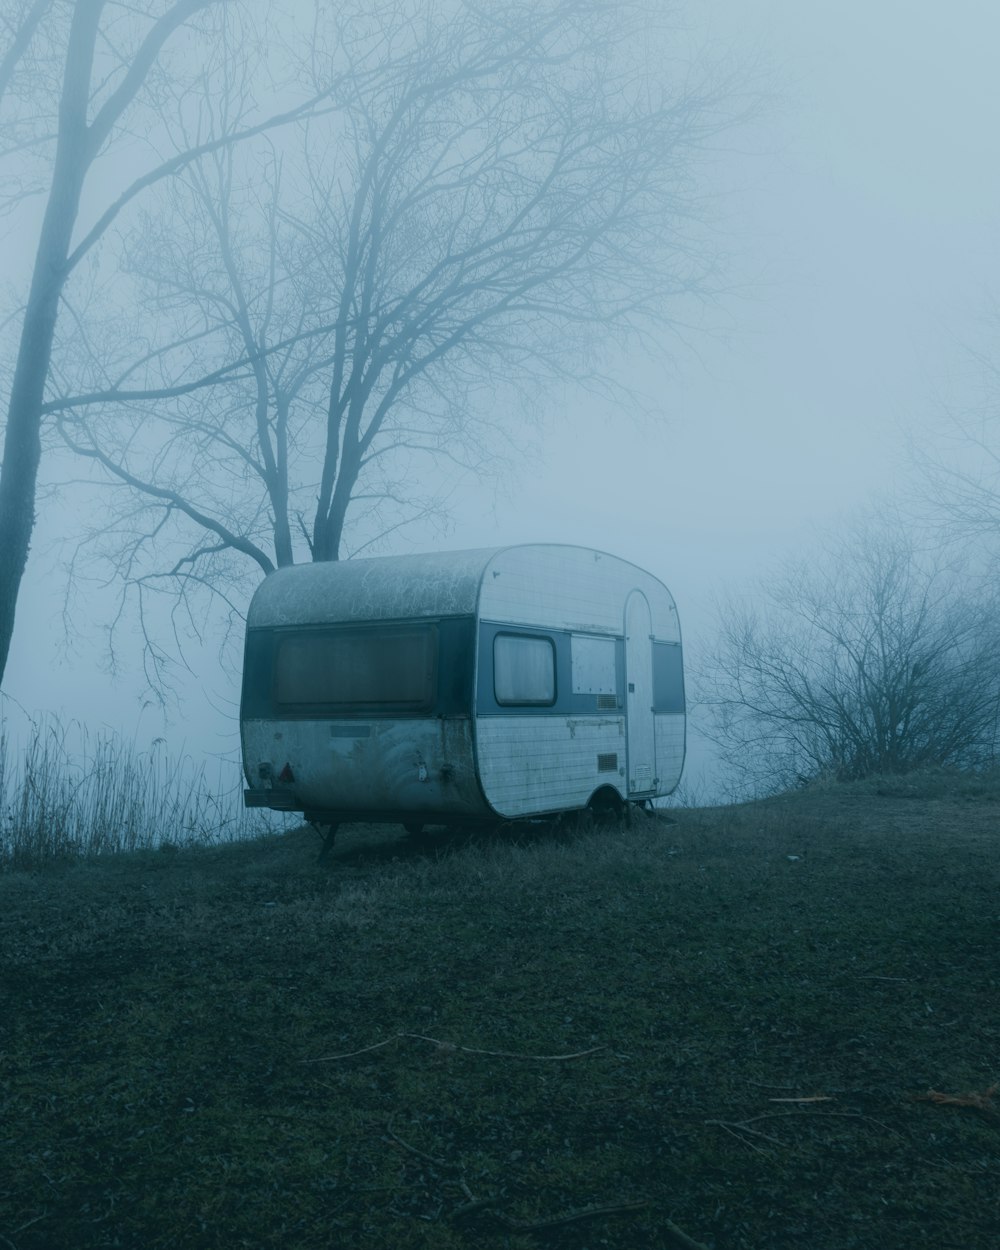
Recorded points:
524,669
668,677
592,663
357,668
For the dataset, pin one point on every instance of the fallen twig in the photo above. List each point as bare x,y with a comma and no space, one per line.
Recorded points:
813,1098
486,1206
453,1046
20,1229
438,1163
504,1054
680,1236
977,1101
349,1054
575,1216
571,1217
736,1128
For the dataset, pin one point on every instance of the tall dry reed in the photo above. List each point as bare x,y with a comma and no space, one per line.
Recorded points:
67,792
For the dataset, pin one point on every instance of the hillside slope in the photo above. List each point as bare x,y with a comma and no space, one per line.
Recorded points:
723,1026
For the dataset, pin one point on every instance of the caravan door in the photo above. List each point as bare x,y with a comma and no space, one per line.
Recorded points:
639,725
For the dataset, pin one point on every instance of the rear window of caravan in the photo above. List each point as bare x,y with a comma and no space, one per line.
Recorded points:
371,667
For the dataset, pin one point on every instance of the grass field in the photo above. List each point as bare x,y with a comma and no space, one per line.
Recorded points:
719,1029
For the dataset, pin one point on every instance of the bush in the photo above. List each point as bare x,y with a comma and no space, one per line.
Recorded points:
868,660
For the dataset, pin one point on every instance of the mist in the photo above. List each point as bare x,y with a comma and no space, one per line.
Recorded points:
853,215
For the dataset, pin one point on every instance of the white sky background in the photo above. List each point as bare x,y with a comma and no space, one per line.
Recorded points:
869,235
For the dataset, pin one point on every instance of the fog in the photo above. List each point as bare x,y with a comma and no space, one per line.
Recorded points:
859,213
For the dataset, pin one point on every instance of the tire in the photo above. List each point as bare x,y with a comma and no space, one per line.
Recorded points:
606,808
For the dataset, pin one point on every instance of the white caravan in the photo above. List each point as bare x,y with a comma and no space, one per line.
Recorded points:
461,687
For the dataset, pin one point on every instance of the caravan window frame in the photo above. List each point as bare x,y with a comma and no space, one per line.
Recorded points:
505,700
329,636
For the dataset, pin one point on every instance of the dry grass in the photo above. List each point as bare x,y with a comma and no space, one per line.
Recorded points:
67,793
233,1047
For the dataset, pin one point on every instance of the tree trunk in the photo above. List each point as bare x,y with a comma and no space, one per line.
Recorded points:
22,441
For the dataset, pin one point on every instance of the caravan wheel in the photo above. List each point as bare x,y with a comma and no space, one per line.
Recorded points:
606,807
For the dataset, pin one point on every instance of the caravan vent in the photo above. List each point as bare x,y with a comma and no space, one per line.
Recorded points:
607,763
607,702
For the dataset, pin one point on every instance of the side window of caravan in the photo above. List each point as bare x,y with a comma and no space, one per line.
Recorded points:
592,662
668,677
356,668
524,669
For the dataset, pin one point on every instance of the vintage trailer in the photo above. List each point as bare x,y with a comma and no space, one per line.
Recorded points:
461,687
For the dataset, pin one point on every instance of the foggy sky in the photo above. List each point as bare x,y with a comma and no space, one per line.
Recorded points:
864,242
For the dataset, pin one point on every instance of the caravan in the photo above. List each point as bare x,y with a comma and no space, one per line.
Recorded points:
461,687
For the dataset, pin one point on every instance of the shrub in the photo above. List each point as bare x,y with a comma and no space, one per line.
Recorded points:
868,660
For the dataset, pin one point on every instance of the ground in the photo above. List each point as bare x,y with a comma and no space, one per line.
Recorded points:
721,1028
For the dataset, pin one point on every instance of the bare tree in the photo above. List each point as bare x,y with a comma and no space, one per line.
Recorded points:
865,661
500,191
958,460
77,82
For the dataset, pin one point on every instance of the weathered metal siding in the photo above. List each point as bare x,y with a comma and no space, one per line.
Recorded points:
670,746
534,764
384,589
547,585
570,588
539,763
412,767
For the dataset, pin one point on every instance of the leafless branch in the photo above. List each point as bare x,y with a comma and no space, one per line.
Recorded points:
869,660
345,299
22,35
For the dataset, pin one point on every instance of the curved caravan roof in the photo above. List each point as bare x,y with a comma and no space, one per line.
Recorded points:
383,588
563,587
